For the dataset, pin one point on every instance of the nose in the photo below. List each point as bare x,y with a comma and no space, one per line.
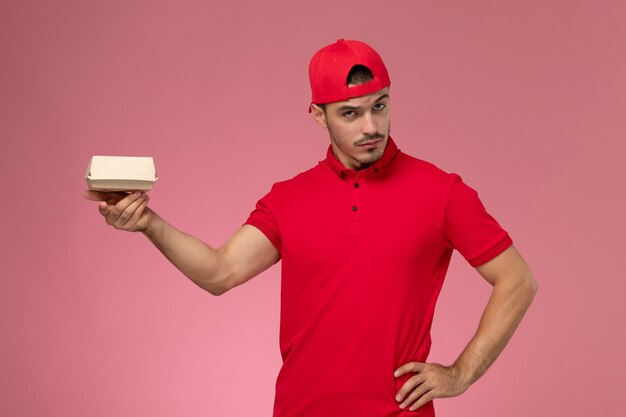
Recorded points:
369,126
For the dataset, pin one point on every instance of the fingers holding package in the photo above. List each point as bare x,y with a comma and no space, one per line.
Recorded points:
111,197
126,214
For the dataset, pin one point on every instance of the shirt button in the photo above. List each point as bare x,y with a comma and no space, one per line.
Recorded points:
354,208
356,185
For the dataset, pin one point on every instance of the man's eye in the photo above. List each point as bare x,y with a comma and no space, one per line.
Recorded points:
349,113
379,106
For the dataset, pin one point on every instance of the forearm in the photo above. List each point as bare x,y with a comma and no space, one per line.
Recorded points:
204,265
507,305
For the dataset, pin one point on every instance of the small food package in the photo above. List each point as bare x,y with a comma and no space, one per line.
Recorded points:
120,173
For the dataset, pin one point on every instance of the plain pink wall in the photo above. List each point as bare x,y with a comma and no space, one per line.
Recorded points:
525,100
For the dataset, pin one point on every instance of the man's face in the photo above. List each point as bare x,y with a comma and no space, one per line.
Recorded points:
358,127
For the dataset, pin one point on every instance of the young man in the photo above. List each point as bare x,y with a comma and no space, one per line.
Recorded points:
365,238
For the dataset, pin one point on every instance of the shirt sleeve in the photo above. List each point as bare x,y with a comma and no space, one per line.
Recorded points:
468,227
264,219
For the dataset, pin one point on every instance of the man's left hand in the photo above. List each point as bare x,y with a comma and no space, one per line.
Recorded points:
431,380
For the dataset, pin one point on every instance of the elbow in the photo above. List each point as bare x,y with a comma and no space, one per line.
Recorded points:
218,288
218,291
534,286
212,289
522,287
528,286
212,286
217,281
532,283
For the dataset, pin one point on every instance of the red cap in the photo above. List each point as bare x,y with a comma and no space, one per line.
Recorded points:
330,66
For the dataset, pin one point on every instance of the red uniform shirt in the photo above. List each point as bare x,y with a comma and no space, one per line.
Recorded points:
364,255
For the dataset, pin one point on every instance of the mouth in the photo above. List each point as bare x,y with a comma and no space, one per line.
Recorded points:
370,143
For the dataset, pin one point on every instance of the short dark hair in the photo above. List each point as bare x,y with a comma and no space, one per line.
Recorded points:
359,74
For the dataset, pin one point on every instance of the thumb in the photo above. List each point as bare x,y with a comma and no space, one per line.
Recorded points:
103,208
409,367
419,366
111,197
94,195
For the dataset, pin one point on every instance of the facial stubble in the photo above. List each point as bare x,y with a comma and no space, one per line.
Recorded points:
374,154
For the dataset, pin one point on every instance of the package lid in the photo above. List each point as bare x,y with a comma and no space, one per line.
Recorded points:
118,173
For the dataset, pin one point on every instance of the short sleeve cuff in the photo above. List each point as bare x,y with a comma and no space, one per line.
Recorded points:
267,230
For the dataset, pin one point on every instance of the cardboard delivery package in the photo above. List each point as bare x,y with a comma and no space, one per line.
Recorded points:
120,173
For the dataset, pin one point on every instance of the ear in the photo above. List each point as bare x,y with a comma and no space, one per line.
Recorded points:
319,115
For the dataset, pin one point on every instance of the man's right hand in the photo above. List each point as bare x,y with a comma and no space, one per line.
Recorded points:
124,211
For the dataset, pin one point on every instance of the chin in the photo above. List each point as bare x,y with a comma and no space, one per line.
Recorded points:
373,157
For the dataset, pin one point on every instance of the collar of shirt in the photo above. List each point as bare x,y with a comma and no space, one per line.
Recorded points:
334,165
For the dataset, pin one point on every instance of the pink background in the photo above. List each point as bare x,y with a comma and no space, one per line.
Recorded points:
525,100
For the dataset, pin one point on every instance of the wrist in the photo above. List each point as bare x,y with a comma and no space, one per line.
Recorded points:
154,227
464,374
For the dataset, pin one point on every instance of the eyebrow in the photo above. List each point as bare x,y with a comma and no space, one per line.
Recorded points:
349,107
